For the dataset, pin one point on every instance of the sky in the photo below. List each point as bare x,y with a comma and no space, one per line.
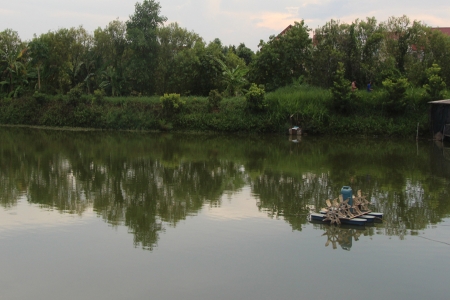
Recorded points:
232,21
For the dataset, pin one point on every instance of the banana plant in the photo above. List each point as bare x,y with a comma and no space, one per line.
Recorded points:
13,65
234,78
110,80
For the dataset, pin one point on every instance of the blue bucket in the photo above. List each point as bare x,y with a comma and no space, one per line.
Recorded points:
347,193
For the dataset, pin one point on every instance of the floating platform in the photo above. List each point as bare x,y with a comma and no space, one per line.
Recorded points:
347,209
370,216
353,221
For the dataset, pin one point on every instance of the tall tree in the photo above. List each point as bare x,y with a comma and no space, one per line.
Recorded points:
142,35
112,53
12,51
39,54
245,53
283,58
177,60
329,49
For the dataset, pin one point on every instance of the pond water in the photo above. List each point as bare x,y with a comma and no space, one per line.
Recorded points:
122,215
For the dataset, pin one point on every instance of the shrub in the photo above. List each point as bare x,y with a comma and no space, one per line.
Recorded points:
341,91
171,103
435,88
214,99
99,96
255,98
74,95
395,99
40,97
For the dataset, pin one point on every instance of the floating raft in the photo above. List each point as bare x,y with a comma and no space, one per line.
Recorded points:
369,215
352,221
353,210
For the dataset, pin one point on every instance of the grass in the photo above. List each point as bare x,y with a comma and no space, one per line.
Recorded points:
299,104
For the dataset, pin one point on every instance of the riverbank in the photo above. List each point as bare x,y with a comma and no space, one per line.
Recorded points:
308,107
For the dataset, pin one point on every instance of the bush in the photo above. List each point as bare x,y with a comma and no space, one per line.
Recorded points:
214,99
435,87
341,91
171,103
255,98
74,95
99,96
395,100
40,97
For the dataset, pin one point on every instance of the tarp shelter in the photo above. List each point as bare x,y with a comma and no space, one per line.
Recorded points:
440,119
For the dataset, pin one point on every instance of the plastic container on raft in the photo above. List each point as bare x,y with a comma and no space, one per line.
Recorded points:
347,193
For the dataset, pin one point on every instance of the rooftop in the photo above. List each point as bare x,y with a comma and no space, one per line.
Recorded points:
445,30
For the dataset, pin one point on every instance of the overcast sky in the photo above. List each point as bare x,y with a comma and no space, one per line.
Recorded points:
233,21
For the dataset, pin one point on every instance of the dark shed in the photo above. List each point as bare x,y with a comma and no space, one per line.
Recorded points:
440,119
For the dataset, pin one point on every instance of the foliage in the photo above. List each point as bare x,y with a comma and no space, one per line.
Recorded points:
12,62
40,97
99,96
142,35
39,53
172,103
283,58
245,53
233,78
255,98
395,101
435,87
341,91
74,95
214,99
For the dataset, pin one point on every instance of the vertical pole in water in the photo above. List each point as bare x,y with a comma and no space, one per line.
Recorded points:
417,132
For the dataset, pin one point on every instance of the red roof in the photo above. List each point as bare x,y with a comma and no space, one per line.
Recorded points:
445,30
285,30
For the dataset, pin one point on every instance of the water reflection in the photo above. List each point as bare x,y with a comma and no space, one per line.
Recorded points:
147,182
344,235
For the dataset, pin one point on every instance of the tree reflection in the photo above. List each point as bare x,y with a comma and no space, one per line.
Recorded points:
147,182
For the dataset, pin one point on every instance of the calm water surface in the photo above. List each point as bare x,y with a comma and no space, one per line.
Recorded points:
102,215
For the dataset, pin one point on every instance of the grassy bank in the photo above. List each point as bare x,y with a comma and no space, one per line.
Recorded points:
302,105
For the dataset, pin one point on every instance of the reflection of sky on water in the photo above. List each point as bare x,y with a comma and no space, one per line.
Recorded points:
27,217
239,206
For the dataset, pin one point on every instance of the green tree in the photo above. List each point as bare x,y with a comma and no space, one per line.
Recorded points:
341,90
439,48
39,53
405,42
283,58
255,98
370,38
329,50
234,77
70,58
142,36
112,54
210,72
177,59
395,101
12,58
245,53
435,87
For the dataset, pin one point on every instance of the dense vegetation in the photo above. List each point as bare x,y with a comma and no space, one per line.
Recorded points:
114,77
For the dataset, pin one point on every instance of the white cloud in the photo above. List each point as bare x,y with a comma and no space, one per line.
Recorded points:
274,21
292,10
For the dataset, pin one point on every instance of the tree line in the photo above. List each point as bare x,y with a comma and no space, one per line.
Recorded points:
148,56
